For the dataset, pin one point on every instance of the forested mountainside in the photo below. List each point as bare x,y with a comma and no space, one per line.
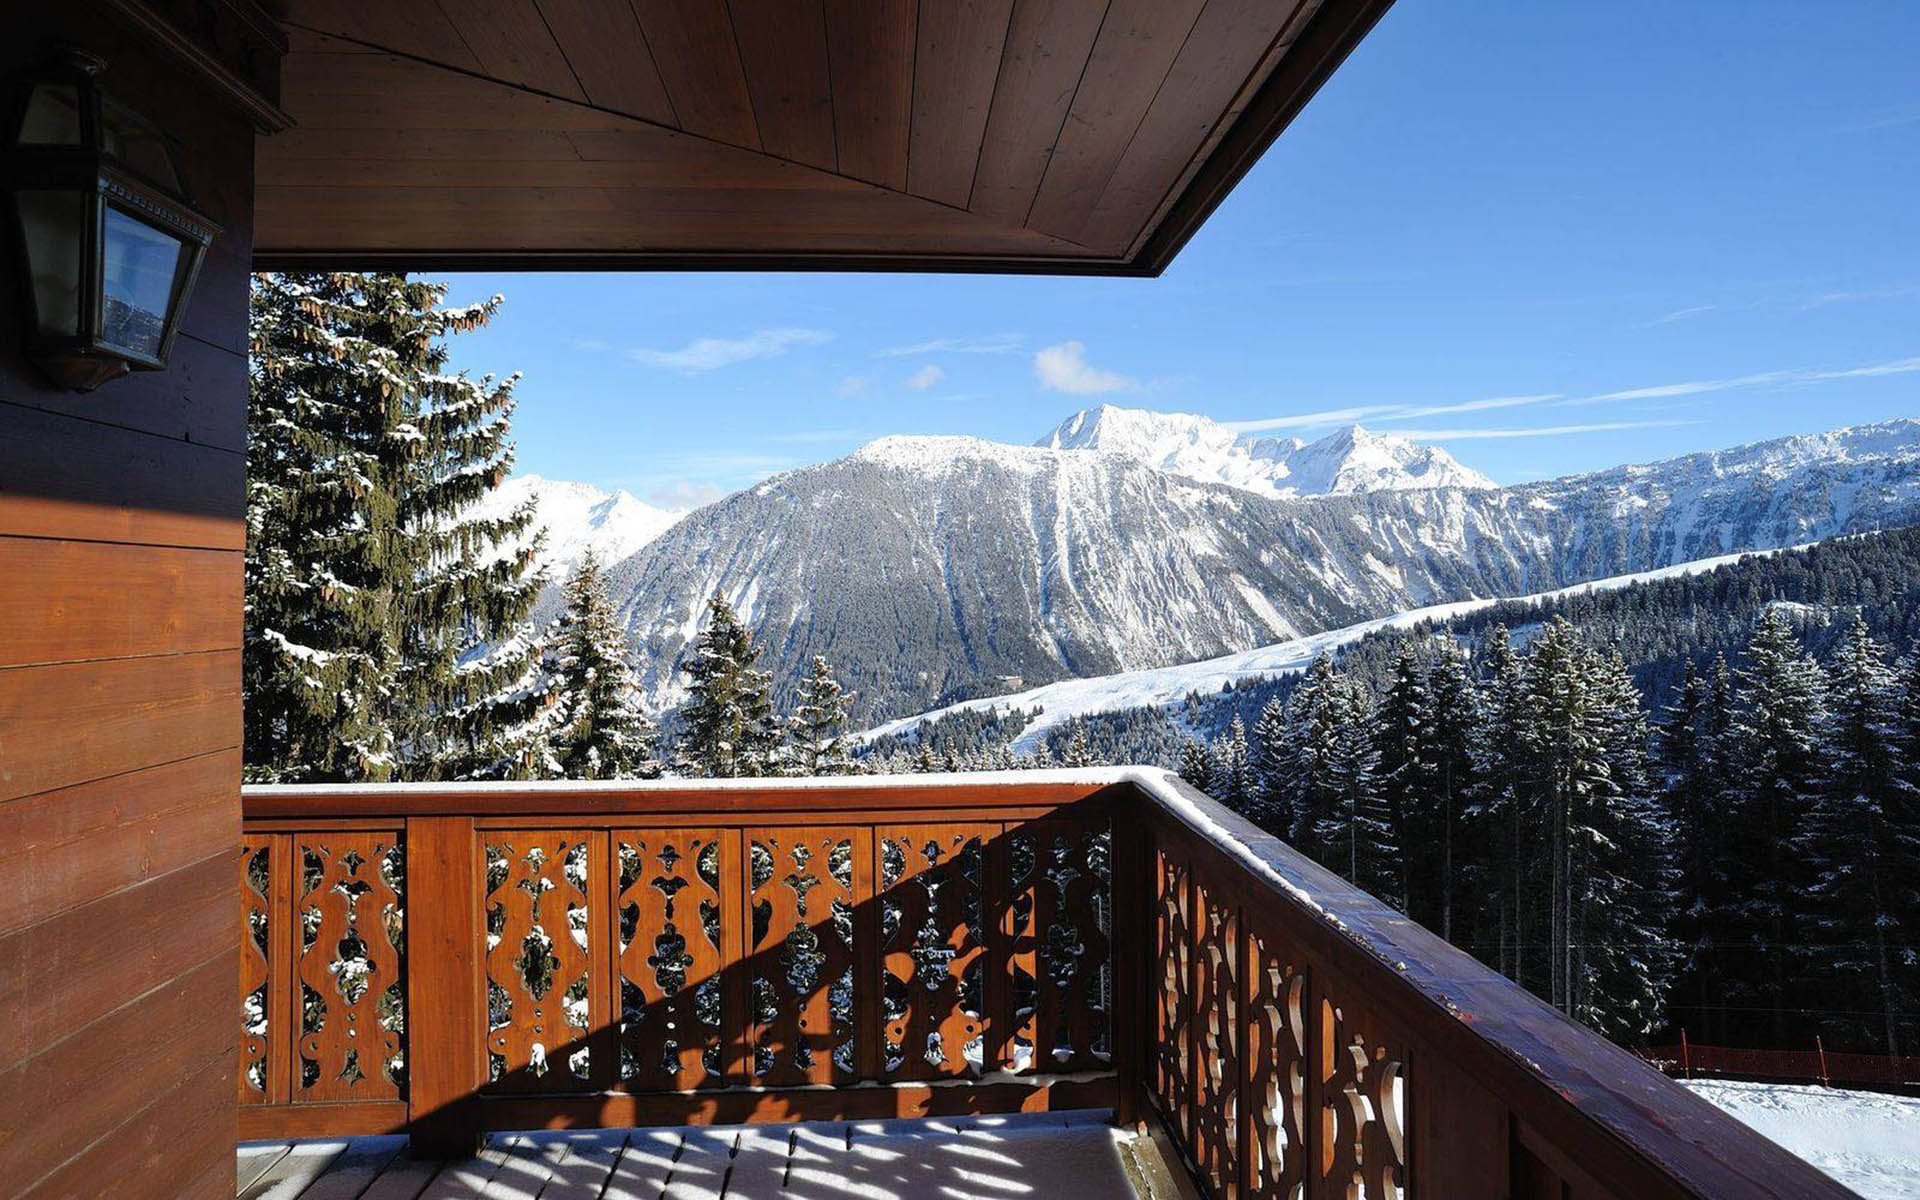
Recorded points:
929,570
1660,628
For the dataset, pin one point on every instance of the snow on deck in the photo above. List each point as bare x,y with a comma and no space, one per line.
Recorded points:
1868,1141
1045,1156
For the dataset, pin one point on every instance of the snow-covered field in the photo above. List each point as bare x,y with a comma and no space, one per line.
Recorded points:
1867,1140
1070,698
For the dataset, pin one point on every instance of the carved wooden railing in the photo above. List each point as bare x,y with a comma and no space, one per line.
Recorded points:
453,959
448,959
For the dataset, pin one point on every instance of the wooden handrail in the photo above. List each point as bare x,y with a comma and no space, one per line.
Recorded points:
1493,1091
638,953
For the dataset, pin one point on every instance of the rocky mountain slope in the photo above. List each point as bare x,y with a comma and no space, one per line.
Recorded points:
937,569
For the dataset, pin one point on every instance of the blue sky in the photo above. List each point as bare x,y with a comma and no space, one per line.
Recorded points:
1550,237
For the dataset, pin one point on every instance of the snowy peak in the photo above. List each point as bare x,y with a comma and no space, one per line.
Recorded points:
579,517
1346,461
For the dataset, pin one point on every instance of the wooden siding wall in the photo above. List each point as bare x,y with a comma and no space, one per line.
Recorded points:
121,534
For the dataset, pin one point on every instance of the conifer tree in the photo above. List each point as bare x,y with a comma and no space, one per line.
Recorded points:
1194,765
1231,768
1695,792
729,729
386,630
1455,732
1777,727
1504,812
1861,893
1406,778
1354,833
816,734
598,730
1273,808
1310,761
1078,753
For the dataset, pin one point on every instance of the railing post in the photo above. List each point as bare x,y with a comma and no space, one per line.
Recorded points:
1131,889
446,994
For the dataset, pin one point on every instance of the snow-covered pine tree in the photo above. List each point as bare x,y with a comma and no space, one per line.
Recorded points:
1455,732
1854,845
728,723
1505,814
1194,765
1309,760
1695,794
374,593
1231,769
1777,728
598,730
1078,752
1355,833
816,734
1405,780
1273,806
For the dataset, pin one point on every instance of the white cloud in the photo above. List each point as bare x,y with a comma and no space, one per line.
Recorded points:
1681,314
1065,368
1386,412
1697,387
591,345
998,343
712,353
925,377
854,385
1456,435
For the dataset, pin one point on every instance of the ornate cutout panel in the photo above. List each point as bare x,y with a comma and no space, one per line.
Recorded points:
348,963
933,944
1363,1118
1069,889
679,915
803,884
538,994
1173,991
257,1076
1217,1064
1277,1061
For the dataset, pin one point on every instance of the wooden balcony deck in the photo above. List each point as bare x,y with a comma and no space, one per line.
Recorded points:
671,960
1048,1156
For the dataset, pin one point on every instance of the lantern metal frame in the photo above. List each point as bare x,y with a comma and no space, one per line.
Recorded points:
102,181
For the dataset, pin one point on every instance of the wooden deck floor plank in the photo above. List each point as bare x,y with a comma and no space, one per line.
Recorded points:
468,1179
760,1163
254,1159
645,1165
354,1171
700,1173
404,1178
588,1165
290,1174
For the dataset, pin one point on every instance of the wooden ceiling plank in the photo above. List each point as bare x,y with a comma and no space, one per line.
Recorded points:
870,57
373,91
1048,45
1136,48
1219,66
512,41
421,30
699,62
957,53
609,55
783,49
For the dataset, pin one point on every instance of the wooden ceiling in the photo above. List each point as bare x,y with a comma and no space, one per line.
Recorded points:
1026,135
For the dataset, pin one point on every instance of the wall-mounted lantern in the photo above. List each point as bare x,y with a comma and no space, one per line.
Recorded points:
108,240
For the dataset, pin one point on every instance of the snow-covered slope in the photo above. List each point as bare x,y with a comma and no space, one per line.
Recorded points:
1342,463
579,517
1868,1141
936,570
1166,686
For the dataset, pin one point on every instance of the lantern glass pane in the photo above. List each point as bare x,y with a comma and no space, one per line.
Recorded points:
136,142
137,270
52,227
53,116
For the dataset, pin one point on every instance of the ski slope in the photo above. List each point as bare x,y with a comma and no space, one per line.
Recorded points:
1163,686
1868,1141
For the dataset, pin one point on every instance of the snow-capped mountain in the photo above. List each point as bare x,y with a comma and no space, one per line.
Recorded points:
935,569
1342,463
579,517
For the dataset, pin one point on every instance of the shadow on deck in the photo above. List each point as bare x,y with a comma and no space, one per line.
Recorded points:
1049,1156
